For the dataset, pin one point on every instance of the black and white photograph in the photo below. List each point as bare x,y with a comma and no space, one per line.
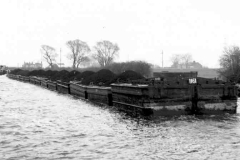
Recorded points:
119,80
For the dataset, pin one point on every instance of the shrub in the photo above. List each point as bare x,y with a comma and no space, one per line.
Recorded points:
127,75
141,67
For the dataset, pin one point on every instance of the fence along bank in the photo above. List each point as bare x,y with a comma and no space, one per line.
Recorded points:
165,94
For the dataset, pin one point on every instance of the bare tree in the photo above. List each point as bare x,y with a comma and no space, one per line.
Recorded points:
230,63
106,52
79,51
186,59
181,60
49,54
176,61
86,61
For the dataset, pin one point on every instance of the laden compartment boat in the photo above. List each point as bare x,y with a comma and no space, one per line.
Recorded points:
177,95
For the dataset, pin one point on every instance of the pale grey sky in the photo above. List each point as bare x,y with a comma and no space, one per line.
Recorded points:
141,28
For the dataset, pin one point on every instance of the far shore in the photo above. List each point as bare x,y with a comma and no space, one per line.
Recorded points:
202,72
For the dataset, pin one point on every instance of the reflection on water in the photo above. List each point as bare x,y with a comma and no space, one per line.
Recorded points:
36,123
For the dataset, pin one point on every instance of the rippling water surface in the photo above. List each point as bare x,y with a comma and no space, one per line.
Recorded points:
36,123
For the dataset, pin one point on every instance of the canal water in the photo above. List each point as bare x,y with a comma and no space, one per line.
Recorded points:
36,123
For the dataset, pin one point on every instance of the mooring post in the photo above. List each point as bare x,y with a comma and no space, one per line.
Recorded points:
194,98
194,92
110,99
56,86
69,91
86,94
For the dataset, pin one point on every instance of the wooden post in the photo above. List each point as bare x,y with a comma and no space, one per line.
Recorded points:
194,89
110,100
85,94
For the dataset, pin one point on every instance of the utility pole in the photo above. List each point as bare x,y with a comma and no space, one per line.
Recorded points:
60,64
41,61
162,58
60,58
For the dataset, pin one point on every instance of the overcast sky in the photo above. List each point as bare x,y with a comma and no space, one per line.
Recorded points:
141,28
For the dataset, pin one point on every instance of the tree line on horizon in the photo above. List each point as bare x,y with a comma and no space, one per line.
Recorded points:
184,61
229,63
104,52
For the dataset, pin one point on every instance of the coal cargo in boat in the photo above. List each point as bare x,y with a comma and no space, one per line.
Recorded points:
102,78
175,94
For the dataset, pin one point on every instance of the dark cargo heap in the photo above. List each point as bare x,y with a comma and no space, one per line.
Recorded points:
103,77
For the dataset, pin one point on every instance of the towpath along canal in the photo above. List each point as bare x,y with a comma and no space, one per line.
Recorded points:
36,123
